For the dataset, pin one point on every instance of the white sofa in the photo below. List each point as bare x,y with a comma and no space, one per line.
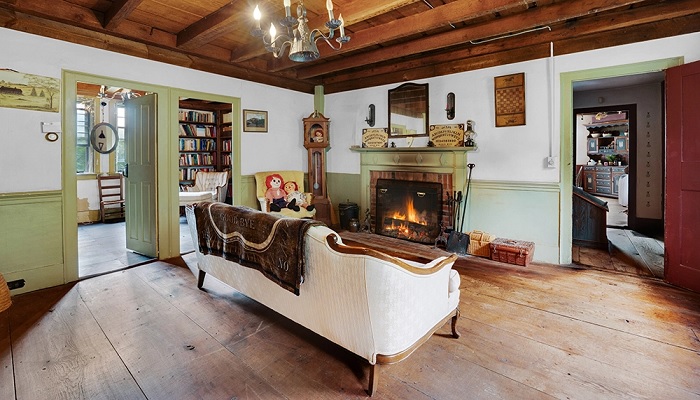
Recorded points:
377,306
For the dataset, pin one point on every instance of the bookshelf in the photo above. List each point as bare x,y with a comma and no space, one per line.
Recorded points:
205,138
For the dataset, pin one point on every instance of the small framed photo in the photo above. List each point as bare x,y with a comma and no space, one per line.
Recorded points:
254,121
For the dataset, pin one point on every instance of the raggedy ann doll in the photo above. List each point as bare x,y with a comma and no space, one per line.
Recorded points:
276,195
295,198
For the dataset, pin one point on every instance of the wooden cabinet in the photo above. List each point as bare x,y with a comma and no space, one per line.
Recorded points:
205,140
589,179
602,180
608,142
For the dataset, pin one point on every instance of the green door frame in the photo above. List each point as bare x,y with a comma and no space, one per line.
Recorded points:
167,203
567,80
175,95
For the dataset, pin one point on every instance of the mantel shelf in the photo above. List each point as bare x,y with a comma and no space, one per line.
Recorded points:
410,149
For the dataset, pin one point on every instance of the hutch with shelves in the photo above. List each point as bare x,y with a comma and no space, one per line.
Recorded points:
608,150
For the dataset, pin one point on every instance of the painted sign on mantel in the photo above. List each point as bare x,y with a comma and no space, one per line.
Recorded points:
27,91
375,137
451,135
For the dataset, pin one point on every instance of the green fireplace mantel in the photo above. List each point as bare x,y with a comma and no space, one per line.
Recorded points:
444,160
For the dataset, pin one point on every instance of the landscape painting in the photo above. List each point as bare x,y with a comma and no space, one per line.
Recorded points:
27,91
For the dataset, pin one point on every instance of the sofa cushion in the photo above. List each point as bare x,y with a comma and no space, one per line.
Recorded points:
454,281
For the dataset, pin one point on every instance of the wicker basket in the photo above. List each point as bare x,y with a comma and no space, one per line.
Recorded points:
5,301
479,243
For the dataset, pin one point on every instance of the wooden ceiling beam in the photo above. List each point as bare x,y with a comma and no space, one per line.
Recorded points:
214,25
586,38
533,18
106,41
118,12
358,10
454,12
614,21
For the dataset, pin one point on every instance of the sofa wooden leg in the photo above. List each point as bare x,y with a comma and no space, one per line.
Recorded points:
200,279
455,332
373,378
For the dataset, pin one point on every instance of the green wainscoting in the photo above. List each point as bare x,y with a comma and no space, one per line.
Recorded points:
517,210
246,194
31,239
343,187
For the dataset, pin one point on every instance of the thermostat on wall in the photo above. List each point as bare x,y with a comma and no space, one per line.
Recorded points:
47,127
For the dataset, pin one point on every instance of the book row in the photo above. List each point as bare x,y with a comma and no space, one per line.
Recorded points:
188,174
197,130
197,145
196,159
197,116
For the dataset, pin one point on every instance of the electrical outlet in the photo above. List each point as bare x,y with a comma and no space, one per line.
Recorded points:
551,162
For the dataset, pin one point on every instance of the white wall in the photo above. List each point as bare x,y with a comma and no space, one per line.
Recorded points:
30,163
508,153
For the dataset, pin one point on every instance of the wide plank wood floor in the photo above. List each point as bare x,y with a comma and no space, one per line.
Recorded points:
527,333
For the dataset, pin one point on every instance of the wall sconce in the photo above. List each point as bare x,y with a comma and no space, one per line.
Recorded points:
370,115
450,106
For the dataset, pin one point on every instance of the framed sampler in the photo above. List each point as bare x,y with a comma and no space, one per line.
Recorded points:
509,94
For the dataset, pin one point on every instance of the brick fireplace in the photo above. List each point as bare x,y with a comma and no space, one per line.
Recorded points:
421,215
447,166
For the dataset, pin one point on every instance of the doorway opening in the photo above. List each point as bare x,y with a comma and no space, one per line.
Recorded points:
618,158
100,163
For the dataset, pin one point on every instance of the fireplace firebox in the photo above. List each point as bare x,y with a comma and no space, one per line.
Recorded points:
410,210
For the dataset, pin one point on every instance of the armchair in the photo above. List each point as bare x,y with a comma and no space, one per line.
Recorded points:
303,198
208,186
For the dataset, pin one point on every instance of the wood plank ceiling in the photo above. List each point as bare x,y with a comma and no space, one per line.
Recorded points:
391,41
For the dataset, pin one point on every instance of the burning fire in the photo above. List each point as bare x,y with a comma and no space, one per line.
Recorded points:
410,215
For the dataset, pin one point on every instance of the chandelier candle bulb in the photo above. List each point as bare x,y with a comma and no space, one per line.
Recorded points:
329,7
342,25
298,37
257,16
287,8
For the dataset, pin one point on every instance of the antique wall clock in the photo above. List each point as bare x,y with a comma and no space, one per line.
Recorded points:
316,141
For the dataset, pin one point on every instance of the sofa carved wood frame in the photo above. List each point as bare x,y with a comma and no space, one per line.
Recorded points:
394,358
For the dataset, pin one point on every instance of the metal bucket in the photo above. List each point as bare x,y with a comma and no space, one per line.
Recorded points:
347,212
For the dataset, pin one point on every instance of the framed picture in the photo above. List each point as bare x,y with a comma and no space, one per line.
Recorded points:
254,121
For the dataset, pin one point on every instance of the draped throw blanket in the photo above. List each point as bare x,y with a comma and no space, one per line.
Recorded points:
272,244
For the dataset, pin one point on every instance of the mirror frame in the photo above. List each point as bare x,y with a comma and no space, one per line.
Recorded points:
410,87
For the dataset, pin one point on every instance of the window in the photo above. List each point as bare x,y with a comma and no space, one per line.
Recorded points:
84,161
120,158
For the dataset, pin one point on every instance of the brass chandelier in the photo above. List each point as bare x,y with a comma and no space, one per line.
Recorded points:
297,36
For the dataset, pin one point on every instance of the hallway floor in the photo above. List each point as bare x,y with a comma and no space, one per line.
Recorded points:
628,251
102,248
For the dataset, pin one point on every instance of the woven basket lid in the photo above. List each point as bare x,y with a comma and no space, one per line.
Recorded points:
5,300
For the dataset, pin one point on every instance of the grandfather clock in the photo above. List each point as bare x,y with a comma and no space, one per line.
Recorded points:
316,141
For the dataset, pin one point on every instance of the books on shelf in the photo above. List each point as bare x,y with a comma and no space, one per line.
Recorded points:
226,159
189,159
227,118
188,174
197,116
197,130
197,144
226,145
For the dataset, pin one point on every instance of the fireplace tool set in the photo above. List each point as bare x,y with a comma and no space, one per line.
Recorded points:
458,242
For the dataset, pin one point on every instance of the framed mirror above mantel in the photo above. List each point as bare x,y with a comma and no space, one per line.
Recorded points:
408,110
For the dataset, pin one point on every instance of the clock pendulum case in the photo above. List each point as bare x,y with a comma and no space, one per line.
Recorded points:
316,141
